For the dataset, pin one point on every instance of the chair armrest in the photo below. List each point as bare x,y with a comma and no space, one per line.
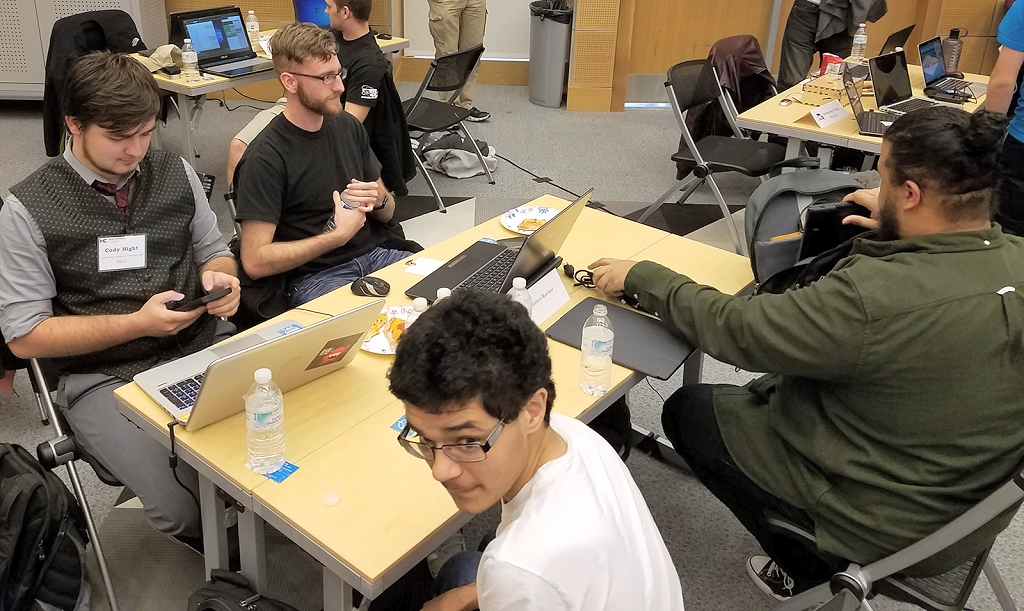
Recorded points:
811,163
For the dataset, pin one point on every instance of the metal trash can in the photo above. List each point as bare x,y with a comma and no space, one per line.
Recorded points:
549,50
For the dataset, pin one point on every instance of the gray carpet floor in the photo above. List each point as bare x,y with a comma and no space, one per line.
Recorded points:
625,156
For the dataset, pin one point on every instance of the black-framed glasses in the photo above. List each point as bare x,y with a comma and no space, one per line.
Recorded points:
583,277
459,452
328,79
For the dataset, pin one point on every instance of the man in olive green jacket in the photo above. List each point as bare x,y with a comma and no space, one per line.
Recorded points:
894,399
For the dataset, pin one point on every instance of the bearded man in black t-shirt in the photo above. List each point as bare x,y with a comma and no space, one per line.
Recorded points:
310,199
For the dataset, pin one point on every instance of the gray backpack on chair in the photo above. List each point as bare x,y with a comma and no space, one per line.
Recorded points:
774,210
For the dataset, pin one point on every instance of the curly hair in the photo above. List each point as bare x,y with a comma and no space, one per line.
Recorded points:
952,151
473,345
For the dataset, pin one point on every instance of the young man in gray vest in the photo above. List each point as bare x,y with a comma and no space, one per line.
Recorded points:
93,246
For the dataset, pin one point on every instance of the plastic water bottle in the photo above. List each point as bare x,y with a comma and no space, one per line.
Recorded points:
442,293
519,294
264,418
860,44
190,63
952,47
252,28
596,362
419,306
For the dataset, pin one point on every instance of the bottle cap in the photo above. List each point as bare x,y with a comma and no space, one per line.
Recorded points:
519,283
187,41
443,292
262,375
252,12
600,310
419,304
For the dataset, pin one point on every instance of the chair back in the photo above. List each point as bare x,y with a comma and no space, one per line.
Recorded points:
691,84
447,73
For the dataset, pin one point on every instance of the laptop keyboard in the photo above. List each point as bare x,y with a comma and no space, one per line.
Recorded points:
871,122
183,394
951,84
491,276
909,105
245,63
858,70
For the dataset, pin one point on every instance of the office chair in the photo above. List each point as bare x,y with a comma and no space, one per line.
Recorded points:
695,83
64,450
447,73
849,590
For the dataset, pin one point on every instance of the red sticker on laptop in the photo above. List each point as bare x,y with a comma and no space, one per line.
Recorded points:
334,351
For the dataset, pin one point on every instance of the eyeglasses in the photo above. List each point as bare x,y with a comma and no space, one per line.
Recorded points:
328,79
583,277
459,452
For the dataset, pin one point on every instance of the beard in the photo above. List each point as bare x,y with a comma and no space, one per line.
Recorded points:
888,222
326,107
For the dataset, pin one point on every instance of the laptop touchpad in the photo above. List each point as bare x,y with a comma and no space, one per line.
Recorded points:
237,345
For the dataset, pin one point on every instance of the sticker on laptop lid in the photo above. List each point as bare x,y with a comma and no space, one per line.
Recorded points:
334,351
399,425
281,474
292,328
489,240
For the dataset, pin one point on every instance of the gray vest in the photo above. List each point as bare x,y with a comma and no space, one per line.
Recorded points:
71,215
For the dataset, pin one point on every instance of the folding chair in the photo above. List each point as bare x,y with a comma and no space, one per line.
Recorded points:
64,450
694,83
849,590
447,73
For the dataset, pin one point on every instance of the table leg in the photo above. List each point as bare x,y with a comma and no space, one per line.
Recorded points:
338,595
824,157
692,368
185,112
215,535
793,146
868,163
252,548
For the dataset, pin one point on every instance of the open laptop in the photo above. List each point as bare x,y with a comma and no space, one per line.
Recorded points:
895,41
311,11
487,266
207,386
891,81
219,37
933,64
871,123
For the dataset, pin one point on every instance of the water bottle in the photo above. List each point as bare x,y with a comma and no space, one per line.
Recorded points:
951,50
264,418
860,44
519,294
596,362
189,63
442,293
252,28
419,306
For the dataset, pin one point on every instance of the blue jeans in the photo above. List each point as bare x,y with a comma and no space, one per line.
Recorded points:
458,571
311,286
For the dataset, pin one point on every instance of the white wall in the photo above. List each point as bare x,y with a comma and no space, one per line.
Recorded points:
507,35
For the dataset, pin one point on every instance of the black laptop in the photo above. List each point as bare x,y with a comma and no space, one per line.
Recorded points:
870,123
490,266
219,37
895,41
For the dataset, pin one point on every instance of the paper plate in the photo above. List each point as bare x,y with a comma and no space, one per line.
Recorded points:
378,343
515,217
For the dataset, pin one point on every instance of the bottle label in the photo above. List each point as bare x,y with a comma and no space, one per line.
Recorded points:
189,57
602,348
252,26
861,39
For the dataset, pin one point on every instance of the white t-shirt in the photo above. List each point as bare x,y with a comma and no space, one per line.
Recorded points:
579,537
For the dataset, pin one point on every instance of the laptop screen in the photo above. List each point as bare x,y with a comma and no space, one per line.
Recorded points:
218,37
932,62
890,78
311,11
853,94
896,40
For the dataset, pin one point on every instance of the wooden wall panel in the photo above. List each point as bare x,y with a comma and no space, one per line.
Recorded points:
594,59
597,14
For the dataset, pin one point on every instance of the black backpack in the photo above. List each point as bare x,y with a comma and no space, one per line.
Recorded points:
42,550
229,591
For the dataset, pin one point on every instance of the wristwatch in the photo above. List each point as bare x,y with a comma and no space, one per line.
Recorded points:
383,203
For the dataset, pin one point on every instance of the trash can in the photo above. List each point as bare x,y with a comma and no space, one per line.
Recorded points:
549,50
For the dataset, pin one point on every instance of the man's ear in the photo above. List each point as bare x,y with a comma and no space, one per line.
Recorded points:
289,82
534,411
74,127
910,195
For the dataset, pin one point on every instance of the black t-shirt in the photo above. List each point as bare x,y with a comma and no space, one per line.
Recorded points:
288,176
369,84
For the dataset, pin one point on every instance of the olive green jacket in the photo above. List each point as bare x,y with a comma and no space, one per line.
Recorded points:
895,395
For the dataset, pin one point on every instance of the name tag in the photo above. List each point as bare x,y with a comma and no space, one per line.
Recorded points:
118,252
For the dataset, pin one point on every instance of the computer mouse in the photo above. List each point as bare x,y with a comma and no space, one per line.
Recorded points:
368,286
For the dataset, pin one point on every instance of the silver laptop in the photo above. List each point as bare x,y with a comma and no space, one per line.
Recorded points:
207,386
895,41
891,81
870,123
220,40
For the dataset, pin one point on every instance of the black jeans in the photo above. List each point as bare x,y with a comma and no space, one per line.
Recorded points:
1010,213
799,46
690,424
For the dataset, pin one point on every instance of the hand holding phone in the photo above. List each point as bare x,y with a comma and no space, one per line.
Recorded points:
187,306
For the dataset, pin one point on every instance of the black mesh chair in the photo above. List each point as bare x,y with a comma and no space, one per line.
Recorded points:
850,590
694,83
447,75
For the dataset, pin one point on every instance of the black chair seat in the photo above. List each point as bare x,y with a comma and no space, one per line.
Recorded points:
433,115
724,154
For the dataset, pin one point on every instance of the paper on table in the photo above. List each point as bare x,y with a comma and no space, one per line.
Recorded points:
265,43
828,114
422,266
548,295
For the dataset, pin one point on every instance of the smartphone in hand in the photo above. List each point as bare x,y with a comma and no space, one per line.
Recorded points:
187,306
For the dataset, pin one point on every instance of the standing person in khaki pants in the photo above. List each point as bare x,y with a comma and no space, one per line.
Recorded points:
457,25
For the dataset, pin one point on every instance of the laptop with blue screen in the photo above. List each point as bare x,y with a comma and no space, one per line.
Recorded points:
220,40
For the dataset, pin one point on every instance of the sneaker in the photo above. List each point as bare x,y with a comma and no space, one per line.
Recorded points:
476,115
770,577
